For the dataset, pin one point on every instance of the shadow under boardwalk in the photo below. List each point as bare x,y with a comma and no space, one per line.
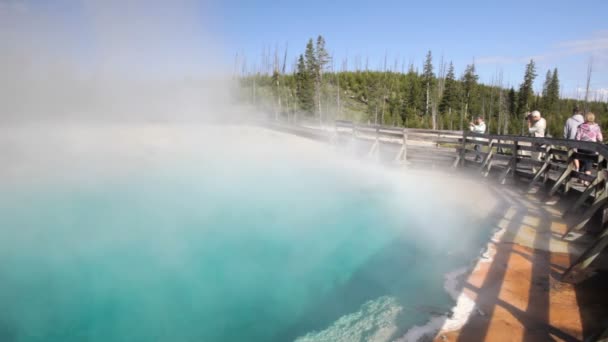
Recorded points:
519,294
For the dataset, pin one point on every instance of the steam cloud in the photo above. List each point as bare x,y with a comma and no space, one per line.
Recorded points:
113,94
109,60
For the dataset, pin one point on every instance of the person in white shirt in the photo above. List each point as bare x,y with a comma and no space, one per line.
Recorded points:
537,126
477,126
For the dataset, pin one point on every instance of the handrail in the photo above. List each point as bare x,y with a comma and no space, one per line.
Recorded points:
351,124
586,145
596,187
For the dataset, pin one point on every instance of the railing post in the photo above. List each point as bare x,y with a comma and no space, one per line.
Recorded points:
488,159
544,169
576,272
460,159
354,139
405,146
564,176
401,156
376,145
512,166
514,158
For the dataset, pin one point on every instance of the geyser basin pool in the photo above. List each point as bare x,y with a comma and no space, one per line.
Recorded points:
204,246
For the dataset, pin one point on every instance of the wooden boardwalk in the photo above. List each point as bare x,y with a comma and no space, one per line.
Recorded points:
550,176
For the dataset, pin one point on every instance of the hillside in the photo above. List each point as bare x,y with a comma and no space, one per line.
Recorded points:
432,98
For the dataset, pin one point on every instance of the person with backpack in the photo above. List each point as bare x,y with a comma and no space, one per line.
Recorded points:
588,131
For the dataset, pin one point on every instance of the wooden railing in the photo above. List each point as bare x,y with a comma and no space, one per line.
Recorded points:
546,161
410,146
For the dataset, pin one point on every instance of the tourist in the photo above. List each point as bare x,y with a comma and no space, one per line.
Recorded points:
572,124
588,131
477,126
536,127
570,129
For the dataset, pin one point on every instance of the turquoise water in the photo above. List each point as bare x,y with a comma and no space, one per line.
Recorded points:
236,253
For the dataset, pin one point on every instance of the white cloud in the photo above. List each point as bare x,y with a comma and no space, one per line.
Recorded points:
597,94
595,45
598,42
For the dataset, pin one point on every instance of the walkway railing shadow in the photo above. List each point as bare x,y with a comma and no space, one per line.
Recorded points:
525,245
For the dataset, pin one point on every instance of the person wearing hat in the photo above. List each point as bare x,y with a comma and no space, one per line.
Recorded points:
477,126
536,127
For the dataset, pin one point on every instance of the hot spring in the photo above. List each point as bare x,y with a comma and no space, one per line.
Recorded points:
191,233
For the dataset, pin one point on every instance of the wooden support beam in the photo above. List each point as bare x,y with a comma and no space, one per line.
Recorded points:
565,175
603,337
599,180
334,136
490,163
353,140
373,151
512,163
544,169
460,158
488,156
577,271
401,156
546,176
588,214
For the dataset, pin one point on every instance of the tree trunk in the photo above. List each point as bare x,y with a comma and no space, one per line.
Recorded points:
589,71
426,108
463,115
451,119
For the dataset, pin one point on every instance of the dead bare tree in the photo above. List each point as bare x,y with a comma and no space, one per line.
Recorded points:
438,92
502,105
277,77
589,71
384,87
491,105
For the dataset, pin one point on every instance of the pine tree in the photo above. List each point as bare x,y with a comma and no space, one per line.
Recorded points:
469,85
553,92
526,92
427,81
322,56
512,107
400,98
304,87
414,95
547,83
322,60
450,93
310,59
545,103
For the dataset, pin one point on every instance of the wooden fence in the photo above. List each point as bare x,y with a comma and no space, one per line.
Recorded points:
536,160
414,147
549,160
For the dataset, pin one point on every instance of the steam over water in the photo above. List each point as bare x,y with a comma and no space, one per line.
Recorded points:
268,238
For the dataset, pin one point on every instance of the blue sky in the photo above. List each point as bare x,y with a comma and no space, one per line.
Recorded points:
157,35
498,35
